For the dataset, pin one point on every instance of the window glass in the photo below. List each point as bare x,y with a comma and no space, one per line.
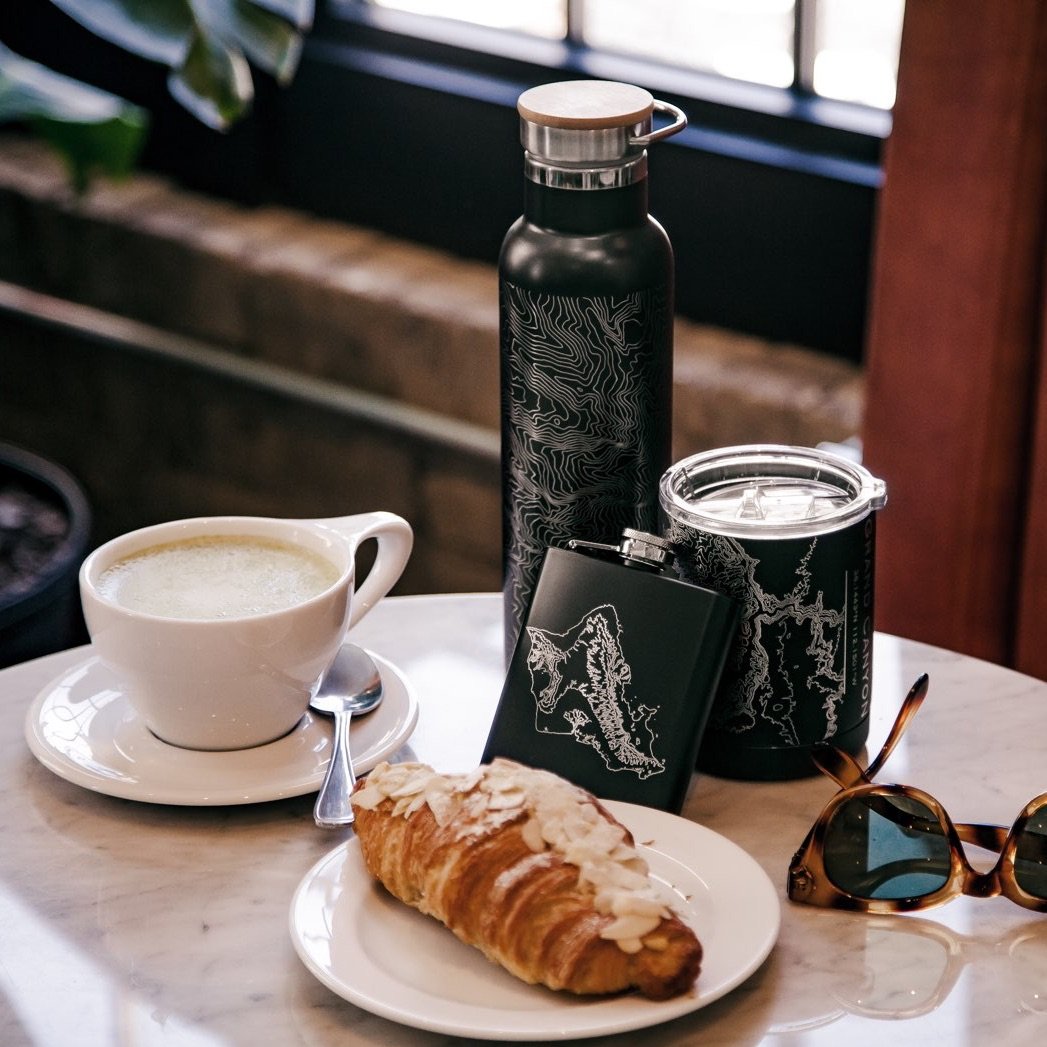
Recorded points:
843,49
547,18
744,39
856,50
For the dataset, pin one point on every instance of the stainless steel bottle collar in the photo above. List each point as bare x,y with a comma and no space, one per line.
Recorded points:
598,158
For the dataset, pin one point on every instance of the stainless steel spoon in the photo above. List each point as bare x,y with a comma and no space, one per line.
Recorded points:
352,686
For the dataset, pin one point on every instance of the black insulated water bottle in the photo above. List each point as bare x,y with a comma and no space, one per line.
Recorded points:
586,320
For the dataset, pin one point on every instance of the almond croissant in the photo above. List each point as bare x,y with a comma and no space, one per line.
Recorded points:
531,870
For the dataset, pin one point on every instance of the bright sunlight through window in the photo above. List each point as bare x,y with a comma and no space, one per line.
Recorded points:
842,49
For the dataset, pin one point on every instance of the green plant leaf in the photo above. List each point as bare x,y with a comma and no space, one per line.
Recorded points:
207,46
92,129
269,41
205,43
214,82
298,13
110,147
159,30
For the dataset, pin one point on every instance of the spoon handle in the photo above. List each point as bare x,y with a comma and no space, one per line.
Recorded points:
333,808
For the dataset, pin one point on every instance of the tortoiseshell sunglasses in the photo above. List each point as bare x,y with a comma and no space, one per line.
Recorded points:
892,848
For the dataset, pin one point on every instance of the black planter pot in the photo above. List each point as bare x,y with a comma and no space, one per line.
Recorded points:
45,528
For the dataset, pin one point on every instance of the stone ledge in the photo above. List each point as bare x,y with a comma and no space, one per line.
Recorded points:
344,303
157,426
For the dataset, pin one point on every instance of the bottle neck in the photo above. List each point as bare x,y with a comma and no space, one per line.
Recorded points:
585,210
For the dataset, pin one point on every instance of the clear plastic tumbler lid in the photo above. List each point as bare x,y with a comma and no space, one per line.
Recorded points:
769,491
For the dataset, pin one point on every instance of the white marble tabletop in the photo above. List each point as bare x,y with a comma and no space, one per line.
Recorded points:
130,923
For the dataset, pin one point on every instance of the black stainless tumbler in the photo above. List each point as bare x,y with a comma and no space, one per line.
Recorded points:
788,533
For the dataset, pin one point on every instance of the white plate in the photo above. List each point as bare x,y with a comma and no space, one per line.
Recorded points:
82,727
391,960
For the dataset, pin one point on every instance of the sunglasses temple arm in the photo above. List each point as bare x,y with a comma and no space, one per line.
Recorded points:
913,701
843,768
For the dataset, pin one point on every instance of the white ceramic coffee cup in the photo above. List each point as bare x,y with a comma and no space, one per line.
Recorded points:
237,682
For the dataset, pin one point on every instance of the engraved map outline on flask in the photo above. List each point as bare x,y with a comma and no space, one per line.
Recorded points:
578,681
579,447
759,691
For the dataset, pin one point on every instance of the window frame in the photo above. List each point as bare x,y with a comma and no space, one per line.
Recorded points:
793,117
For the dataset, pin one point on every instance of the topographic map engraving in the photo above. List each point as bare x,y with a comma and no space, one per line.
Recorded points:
579,680
580,447
786,639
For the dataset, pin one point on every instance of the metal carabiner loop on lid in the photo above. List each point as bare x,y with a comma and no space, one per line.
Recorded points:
678,124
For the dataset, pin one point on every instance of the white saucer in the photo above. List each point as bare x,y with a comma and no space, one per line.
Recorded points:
81,726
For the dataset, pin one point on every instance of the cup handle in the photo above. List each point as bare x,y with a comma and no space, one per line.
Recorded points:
395,541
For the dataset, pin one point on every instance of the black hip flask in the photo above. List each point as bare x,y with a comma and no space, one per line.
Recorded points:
614,671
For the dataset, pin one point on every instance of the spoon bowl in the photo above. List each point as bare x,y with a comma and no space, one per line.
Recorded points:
352,686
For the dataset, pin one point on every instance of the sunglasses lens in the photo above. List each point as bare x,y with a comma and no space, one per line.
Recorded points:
886,846
1030,859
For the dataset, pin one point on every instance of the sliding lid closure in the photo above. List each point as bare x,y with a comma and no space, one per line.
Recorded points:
769,491
590,134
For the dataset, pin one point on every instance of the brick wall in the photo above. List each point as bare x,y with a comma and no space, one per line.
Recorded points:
185,355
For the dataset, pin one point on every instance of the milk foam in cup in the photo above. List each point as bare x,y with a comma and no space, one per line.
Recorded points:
220,628
228,576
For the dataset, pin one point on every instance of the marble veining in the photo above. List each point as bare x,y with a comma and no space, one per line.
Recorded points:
127,923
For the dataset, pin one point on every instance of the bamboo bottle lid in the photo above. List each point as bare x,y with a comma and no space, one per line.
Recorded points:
590,134
586,105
